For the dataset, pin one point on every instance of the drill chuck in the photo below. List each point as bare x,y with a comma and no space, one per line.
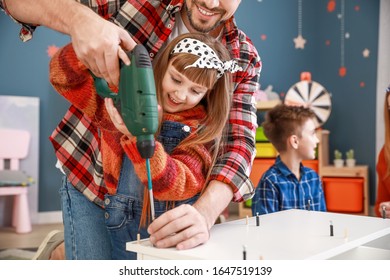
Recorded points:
146,146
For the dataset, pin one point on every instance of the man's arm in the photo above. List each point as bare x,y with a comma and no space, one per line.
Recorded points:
213,201
97,42
55,14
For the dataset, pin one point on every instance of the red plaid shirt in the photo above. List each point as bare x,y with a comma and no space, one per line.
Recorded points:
76,141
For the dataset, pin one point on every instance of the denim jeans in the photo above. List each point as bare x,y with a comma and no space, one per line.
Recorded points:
86,235
95,233
123,210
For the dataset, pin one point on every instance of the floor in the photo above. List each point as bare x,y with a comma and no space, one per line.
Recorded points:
11,240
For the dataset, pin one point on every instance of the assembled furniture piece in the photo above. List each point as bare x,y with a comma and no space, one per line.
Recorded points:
14,146
285,235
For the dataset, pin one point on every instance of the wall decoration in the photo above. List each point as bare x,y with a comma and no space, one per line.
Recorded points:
331,6
51,50
343,68
299,41
366,53
310,94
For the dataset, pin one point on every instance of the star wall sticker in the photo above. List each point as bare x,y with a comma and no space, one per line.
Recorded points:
342,71
366,53
331,6
51,50
299,42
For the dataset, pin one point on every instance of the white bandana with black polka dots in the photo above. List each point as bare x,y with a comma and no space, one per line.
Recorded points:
207,57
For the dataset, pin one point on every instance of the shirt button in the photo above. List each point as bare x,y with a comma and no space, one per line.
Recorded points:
186,128
169,26
106,215
107,201
151,54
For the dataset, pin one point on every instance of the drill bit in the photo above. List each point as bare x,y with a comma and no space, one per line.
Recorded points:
150,188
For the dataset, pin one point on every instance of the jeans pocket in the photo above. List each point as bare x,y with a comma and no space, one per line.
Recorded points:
118,211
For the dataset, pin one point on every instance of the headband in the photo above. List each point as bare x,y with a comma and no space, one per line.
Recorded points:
207,57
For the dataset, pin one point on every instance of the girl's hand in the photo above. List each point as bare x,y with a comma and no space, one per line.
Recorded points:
384,207
115,117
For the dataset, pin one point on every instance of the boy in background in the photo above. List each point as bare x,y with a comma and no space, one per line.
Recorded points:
287,184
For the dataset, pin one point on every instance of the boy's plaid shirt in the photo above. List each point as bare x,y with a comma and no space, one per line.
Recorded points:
76,140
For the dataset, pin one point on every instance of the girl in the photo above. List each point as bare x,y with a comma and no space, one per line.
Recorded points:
193,84
382,204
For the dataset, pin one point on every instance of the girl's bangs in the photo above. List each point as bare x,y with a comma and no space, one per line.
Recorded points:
202,76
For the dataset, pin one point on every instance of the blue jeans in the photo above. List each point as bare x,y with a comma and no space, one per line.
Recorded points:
93,233
123,211
86,235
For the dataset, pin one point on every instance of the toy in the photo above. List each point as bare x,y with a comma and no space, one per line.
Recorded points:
350,161
338,161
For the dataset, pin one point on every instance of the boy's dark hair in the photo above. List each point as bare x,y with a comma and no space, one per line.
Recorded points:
282,121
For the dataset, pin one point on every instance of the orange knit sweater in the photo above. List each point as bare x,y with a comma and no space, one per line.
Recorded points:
383,192
177,176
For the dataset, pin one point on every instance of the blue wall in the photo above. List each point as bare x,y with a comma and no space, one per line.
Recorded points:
24,71
352,120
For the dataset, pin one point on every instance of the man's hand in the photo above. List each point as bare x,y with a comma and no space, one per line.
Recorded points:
188,226
99,44
183,227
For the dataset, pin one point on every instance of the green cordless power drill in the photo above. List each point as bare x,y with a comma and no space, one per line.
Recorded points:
137,103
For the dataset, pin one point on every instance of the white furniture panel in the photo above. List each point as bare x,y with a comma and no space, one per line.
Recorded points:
286,235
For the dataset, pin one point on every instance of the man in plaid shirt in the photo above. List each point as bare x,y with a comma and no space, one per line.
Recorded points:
99,43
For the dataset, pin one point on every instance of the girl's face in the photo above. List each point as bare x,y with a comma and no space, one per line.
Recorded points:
308,141
388,101
178,92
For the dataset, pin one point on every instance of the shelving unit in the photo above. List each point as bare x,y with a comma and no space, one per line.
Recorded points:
324,169
330,171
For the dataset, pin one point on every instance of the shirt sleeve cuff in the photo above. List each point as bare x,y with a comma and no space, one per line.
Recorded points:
26,31
242,190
